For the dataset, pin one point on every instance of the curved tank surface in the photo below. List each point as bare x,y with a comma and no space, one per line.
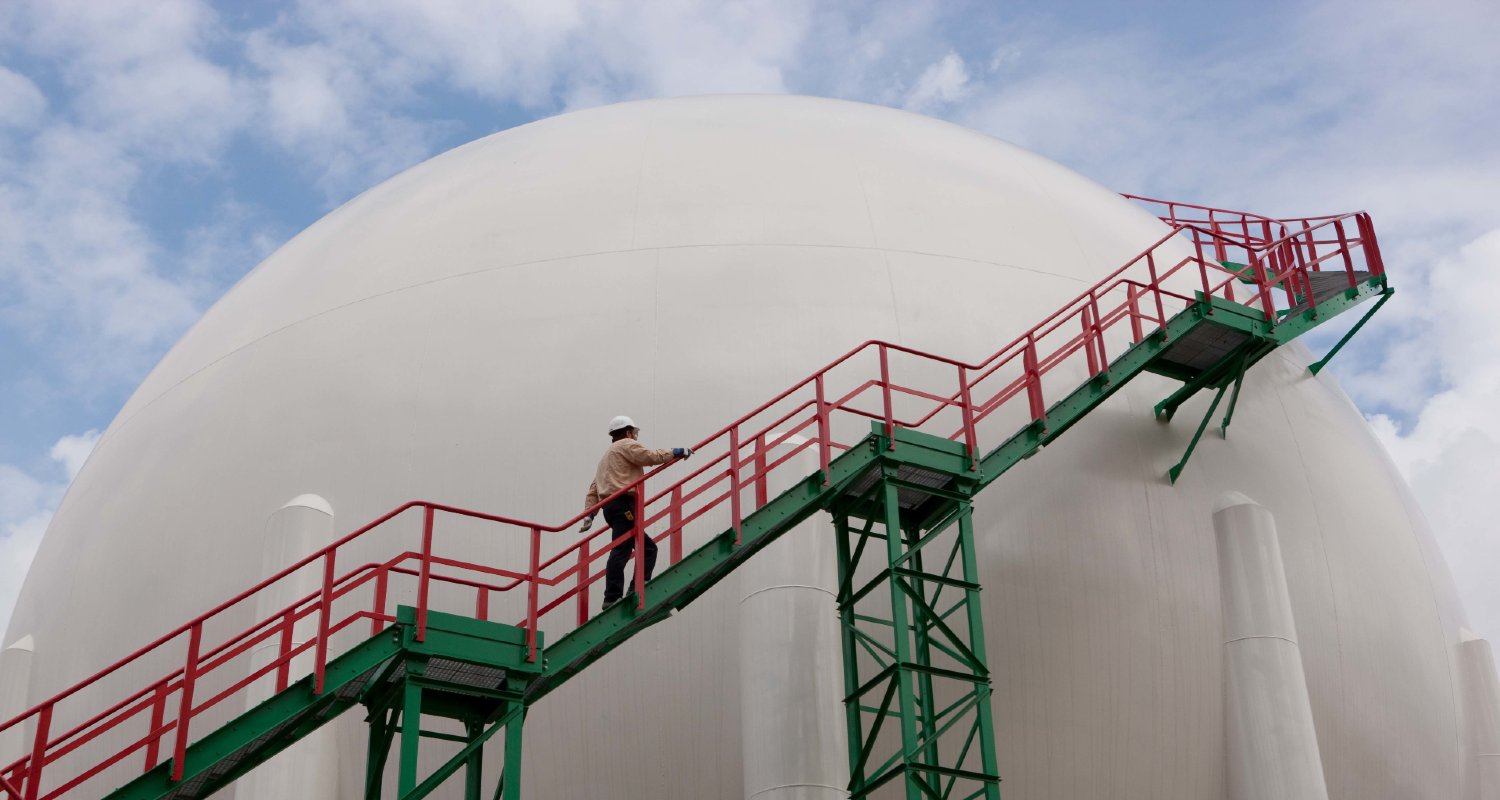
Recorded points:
462,332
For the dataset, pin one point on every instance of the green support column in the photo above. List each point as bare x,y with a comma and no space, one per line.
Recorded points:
849,646
923,647
509,787
411,736
917,688
906,698
987,745
473,768
383,725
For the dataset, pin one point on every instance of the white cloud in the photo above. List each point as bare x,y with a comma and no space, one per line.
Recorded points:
1451,454
26,505
72,451
339,79
331,105
139,72
20,493
80,271
21,103
943,83
18,544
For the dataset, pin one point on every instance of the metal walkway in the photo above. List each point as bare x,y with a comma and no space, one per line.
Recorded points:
896,460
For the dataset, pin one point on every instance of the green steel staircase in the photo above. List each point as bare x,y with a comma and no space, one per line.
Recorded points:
917,685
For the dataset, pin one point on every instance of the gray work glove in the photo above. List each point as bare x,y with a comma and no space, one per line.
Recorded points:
588,522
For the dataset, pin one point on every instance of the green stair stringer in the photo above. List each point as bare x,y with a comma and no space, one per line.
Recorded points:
862,483
225,754
471,671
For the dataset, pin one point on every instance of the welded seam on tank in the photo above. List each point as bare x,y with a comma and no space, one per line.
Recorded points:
1291,642
841,790
786,586
576,256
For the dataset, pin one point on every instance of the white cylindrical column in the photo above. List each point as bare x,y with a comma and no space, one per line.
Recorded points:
310,767
15,697
1269,734
791,689
1482,691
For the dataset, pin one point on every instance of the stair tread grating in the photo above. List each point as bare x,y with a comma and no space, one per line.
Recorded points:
1204,347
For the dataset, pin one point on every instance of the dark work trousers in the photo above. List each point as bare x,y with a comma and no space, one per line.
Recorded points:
619,515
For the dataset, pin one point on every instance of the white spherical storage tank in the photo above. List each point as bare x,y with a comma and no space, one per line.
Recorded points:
462,333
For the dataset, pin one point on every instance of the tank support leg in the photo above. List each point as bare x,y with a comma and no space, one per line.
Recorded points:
917,688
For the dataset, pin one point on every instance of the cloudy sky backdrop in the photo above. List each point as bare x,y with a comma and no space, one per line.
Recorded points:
153,152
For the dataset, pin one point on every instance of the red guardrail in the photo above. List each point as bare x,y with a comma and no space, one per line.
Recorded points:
743,457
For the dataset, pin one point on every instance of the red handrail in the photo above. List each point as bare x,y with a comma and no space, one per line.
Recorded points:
1280,253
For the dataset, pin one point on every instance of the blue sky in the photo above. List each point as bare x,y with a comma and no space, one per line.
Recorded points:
151,153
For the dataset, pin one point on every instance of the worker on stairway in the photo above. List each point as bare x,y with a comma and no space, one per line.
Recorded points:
623,463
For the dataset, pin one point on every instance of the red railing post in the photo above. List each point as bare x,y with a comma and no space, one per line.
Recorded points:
584,568
482,603
185,706
1346,251
1219,252
1132,296
1309,265
284,649
33,783
1098,333
1202,264
885,391
1373,260
1268,307
158,716
966,406
424,576
1155,287
325,614
377,623
761,488
1033,381
640,546
1312,244
1088,341
825,436
534,578
734,481
675,520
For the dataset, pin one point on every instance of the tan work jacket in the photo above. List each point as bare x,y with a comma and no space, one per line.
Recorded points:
623,463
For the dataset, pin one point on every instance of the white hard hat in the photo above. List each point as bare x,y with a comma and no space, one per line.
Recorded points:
621,422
